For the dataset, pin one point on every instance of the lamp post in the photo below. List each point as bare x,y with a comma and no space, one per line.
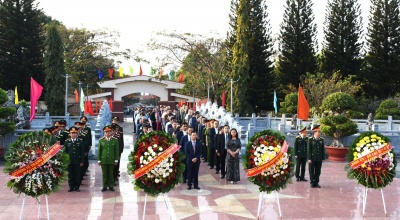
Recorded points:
232,93
80,98
66,94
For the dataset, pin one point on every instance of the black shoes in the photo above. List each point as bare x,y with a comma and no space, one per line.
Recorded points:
217,172
184,181
303,179
315,186
70,190
77,189
189,188
211,167
197,187
297,179
223,177
112,189
104,189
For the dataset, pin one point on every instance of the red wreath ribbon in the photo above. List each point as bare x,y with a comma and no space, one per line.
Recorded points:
156,161
22,171
371,156
257,170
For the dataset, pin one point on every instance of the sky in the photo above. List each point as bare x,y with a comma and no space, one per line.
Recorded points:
138,20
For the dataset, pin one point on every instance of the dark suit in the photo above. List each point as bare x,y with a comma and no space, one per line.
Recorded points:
315,153
182,143
193,168
220,143
75,151
300,150
211,145
179,136
201,129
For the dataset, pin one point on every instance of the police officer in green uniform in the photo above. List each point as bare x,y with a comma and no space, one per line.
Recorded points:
74,148
107,157
315,156
300,153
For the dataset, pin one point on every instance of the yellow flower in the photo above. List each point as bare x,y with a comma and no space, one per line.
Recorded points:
355,154
358,144
264,157
367,141
378,138
366,138
276,149
362,142
271,156
374,136
373,140
363,166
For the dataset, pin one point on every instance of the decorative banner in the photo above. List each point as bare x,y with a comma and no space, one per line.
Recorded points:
156,161
257,170
22,171
371,156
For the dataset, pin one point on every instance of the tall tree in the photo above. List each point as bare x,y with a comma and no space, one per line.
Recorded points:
297,42
342,31
383,51
240,65
21,45
261,77
55,71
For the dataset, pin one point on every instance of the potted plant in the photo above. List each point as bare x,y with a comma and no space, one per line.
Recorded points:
337,125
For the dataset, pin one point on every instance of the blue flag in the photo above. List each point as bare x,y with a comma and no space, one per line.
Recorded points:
275,103
100,74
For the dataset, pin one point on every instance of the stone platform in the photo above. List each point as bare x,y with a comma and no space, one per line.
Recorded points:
339,198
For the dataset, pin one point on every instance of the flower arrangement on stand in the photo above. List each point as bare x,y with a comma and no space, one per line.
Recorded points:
372,160
163,177
43,179
264,147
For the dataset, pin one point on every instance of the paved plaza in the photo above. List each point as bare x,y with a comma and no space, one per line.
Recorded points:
339,198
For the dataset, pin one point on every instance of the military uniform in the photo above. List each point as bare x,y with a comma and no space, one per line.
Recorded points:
74,148
119,135
300,150
107,157
315,153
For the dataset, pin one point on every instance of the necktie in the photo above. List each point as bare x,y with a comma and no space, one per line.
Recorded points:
226,137
194,147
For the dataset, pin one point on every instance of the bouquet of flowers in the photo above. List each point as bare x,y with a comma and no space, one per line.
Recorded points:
372,172
46,178
167,174
262,148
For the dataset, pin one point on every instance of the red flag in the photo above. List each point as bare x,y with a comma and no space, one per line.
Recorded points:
89,108
180,78
111,72
303,109
84,108
36,91
110,103
97,107
76,96
223,98
140,71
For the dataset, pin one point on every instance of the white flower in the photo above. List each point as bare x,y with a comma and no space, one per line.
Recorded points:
155,145
157,180
153,154
160,149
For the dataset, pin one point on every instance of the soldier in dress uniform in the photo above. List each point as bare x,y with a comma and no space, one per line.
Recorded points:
118,135
86,129
315,156
108,157
300,153
74,148
83,135
63,133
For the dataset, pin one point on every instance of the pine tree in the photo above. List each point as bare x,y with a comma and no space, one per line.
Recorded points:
240,65
343,29
54,63
383,52
262,80
297,42
258,79
21,46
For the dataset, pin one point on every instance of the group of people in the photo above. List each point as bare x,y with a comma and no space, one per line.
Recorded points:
309,150
77,142
200,139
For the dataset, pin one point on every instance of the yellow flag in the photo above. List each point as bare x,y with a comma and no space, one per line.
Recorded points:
120,71
16,96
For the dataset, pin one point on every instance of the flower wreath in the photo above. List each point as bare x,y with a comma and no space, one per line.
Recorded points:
261,148
46,178
377,173
167,174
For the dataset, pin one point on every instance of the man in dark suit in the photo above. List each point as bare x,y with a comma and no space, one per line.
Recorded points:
182,132
193,153
221,149
213,131
315,156
74,147
201,128
185,139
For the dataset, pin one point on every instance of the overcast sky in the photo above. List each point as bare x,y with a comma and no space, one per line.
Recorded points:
138,20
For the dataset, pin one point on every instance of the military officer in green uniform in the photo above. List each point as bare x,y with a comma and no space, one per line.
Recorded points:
88,134
119,134
107,157
74,148
82,134
315,156
300,153
63,133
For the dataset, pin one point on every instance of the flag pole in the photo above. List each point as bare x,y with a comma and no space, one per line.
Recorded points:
80,98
